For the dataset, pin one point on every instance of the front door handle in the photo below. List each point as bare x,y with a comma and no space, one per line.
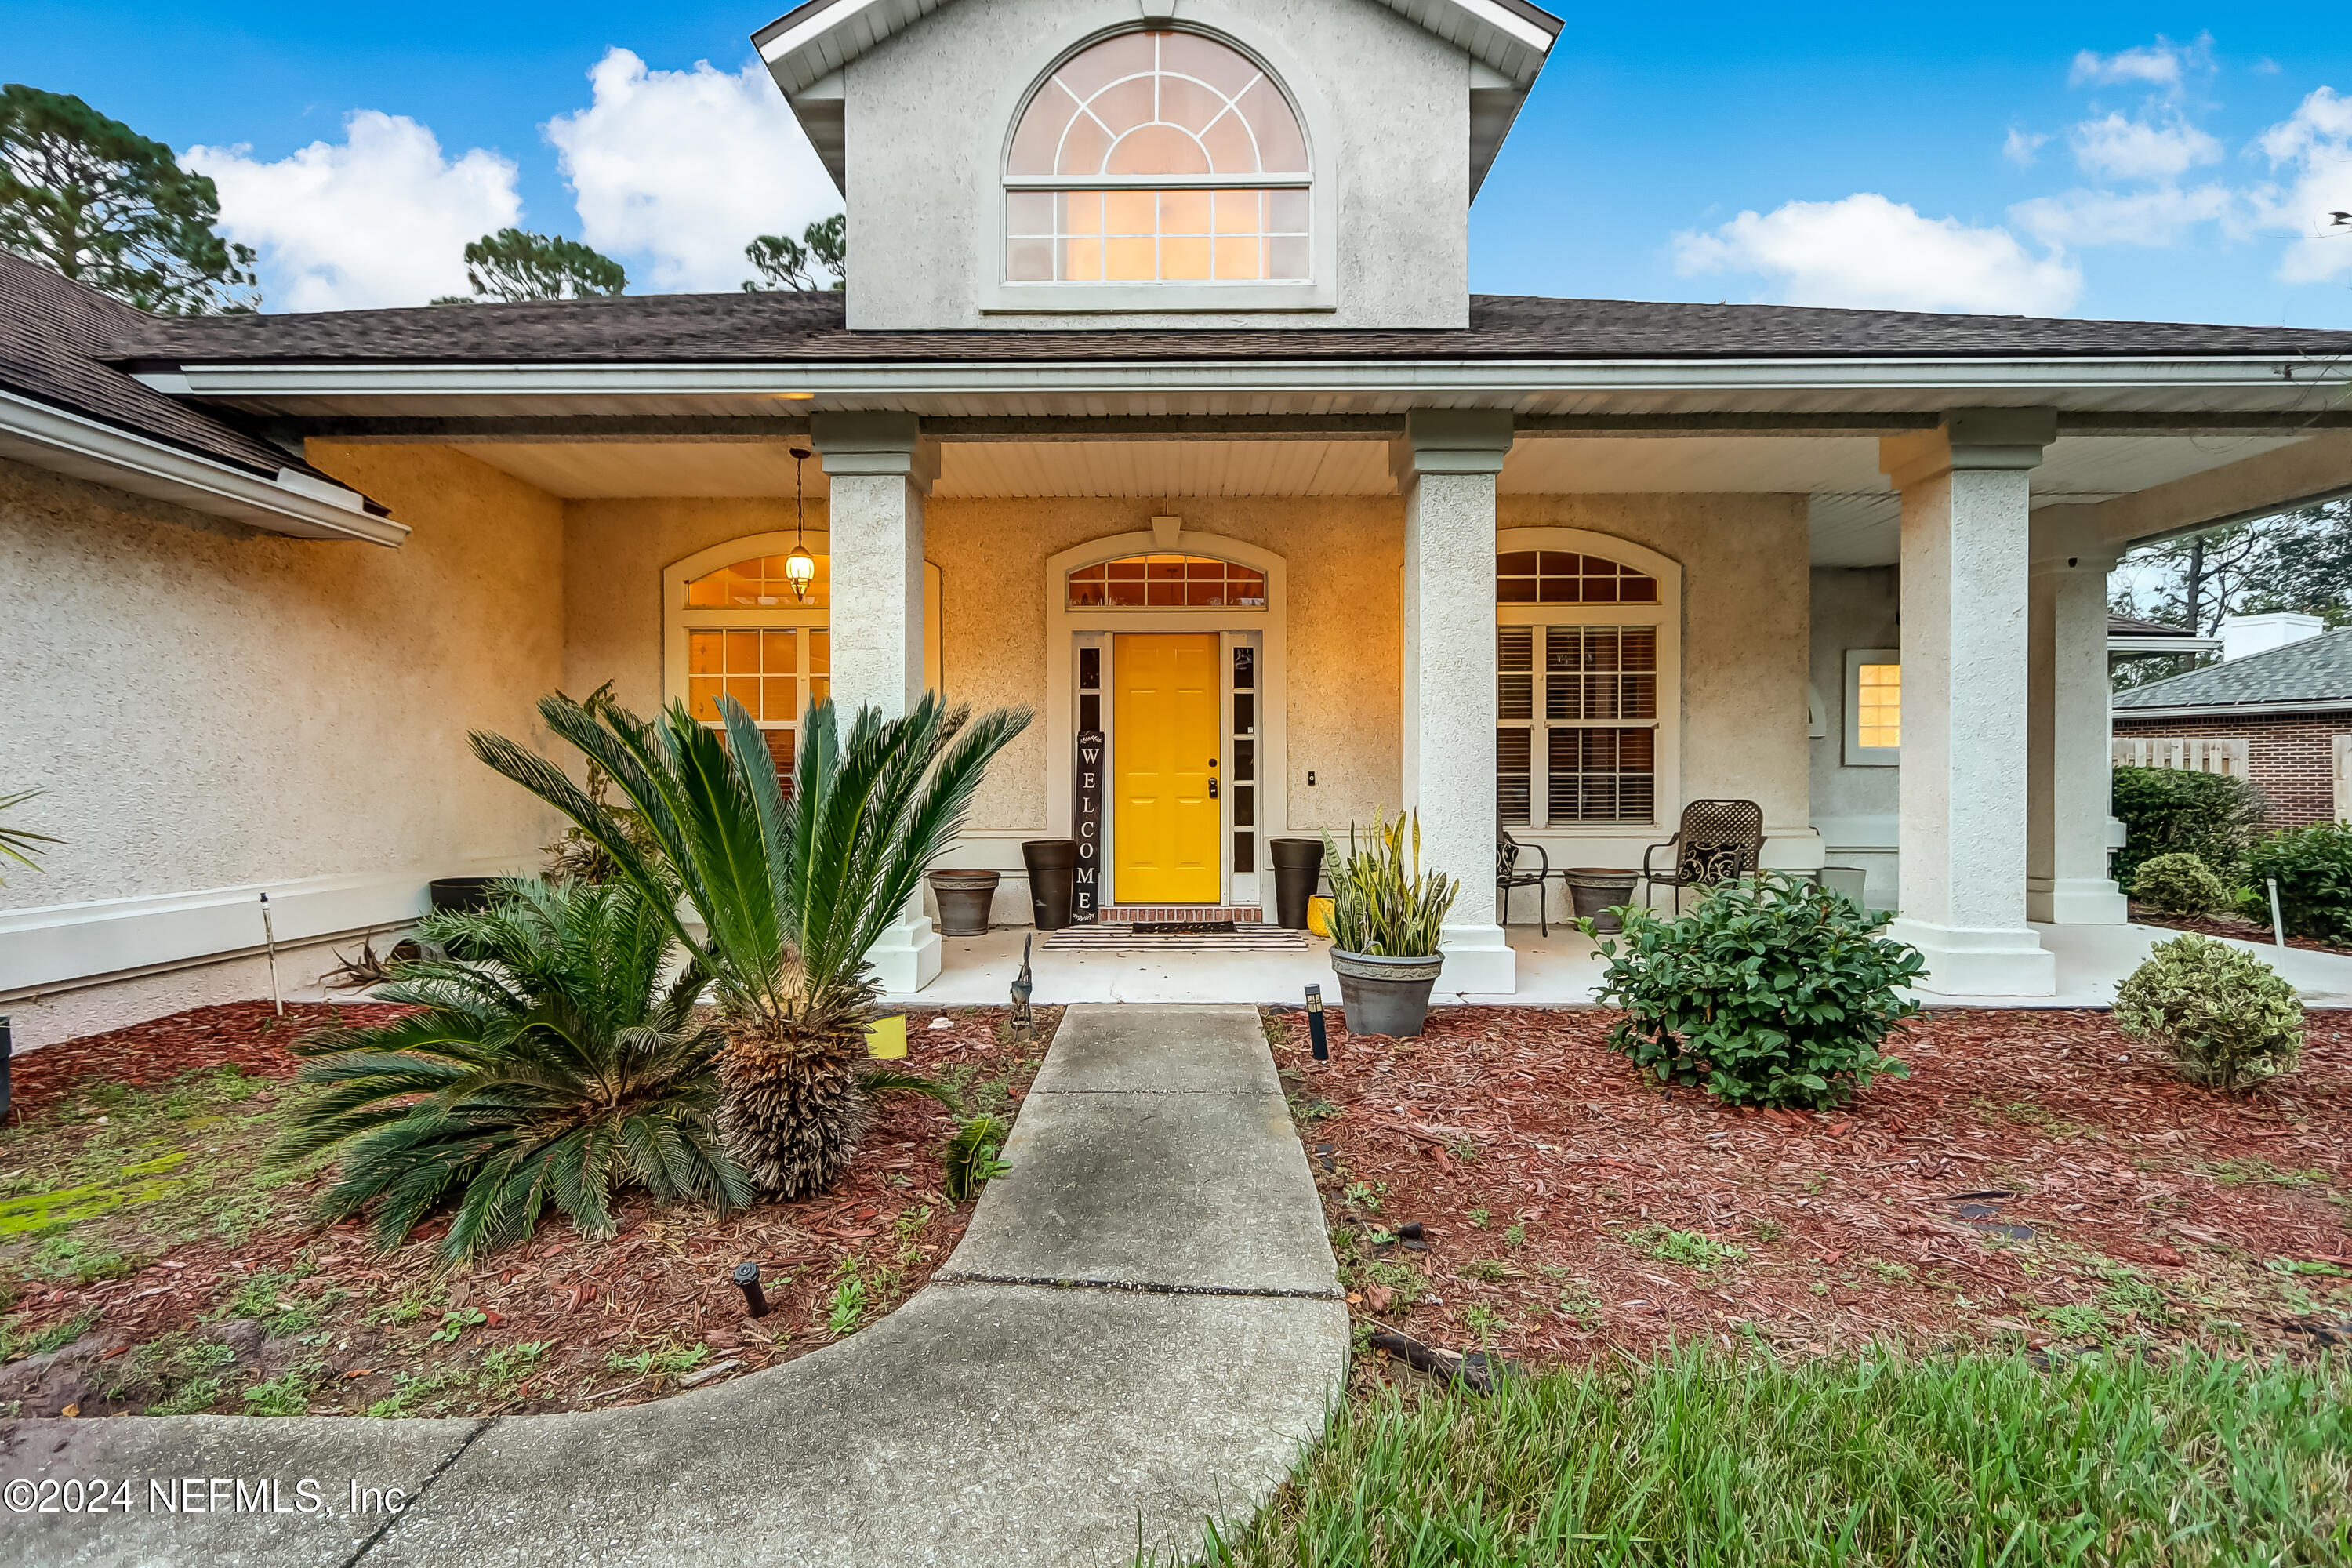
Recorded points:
1213,789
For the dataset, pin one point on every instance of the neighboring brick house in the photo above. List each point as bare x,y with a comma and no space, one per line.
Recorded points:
2279,717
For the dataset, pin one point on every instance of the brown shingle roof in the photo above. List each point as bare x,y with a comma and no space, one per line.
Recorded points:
741,327
2133,627
56,337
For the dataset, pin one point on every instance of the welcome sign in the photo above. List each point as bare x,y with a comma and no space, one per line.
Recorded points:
1088,825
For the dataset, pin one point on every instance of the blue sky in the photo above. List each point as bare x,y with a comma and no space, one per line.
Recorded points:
2167,177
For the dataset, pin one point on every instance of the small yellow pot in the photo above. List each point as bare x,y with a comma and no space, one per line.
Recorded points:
886,1038
1319,915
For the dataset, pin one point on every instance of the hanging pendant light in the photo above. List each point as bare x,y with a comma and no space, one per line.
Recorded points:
800,566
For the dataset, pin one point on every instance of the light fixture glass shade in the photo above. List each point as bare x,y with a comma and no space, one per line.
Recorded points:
799,567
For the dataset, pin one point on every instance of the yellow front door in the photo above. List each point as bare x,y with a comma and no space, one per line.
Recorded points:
1164,821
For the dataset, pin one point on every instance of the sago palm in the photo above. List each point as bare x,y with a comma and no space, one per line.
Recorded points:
792,890
554,1064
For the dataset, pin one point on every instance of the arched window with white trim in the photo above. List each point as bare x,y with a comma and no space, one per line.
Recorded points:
733,625
1158,156
1587,667
739,626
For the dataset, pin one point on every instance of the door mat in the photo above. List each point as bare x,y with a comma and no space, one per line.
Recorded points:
1176,936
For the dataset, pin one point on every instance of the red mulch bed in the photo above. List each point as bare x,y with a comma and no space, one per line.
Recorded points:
2229,926
248,1036
1851,1224
663,1281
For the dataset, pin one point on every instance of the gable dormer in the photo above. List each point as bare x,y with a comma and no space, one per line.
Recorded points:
1057,163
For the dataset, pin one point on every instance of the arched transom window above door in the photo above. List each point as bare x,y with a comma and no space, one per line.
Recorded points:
1166,582
760,582
1586,681
1158,156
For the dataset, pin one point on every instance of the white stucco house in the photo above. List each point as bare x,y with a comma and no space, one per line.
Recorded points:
1158,399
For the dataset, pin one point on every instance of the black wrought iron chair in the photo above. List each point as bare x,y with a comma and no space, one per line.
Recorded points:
1719,841
1508,875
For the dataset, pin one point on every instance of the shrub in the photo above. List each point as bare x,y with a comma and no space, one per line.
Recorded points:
2223,1015
2173,810
2314,867
1382,905
794,885
552,1066
2180,883
1772,991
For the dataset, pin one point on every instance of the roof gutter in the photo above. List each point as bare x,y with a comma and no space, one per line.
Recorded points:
2032,378
2238,709
292,502
2150,642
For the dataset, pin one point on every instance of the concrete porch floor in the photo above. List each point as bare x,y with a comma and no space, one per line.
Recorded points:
1556,971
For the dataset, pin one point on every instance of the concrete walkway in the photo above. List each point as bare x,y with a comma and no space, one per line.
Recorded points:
1140,1330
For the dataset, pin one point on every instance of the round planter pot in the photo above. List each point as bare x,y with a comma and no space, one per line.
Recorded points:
468,895
1053,866
1385,995
1297,867
964,898
1594,891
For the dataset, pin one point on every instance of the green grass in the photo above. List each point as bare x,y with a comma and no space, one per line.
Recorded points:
15,1342
288,1393
1731,1462
662,1360
1685,1247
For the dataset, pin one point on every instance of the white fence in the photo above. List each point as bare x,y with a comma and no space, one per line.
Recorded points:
2195,753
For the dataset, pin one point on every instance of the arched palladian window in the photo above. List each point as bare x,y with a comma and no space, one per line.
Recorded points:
1166,582
1157,157
1585,672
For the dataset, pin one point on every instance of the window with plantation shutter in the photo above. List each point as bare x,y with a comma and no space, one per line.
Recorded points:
1584,699
1583,669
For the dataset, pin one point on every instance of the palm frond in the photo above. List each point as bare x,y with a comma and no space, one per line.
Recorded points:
900,1081
20,844
558,1032
792,893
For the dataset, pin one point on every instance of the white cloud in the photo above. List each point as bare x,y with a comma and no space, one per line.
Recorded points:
2117,148
2163,64
1867,251
2313,149
381,219
2155,217
682,169
2024,148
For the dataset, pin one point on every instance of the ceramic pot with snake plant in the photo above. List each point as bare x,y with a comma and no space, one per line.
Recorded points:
1386,918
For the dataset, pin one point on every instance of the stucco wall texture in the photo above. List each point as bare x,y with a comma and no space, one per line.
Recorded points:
1856,807
1746,629
1345,639
208,707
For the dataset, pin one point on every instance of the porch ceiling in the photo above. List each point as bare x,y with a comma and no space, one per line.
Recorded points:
1855,516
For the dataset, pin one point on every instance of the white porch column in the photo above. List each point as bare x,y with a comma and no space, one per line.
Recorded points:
1962,832
879,468
1446,465
2069,762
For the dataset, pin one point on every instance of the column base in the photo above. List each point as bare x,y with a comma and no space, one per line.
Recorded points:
1478,959
2075,901
1979,962
908,957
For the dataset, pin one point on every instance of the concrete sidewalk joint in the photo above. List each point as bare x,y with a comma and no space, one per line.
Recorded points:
960,1278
